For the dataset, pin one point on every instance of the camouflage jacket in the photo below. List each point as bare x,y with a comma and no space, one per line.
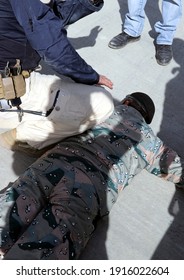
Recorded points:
115,151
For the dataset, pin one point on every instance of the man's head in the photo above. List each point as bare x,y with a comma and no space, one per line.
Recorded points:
142,103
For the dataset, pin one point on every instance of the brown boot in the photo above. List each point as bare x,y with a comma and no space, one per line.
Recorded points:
8,139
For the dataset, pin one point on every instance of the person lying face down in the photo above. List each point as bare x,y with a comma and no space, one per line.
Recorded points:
50,211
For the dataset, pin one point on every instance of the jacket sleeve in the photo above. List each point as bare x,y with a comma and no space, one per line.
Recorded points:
165,163
46,34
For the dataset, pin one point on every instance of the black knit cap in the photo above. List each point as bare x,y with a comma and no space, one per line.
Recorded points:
146,103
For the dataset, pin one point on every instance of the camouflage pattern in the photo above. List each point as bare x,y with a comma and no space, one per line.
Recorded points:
50,212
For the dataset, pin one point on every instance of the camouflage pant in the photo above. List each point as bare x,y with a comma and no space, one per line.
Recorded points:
50,211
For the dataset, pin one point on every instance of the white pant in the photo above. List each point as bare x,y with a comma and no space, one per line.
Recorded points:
78,108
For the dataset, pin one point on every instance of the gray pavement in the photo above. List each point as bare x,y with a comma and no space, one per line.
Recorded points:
147,222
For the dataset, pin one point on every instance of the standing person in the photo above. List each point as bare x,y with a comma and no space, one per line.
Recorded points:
166,28
31,30
51,210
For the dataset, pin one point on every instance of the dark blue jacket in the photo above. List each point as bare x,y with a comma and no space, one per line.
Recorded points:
30,30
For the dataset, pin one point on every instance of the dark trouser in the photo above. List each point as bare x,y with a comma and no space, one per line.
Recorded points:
49,212
72,10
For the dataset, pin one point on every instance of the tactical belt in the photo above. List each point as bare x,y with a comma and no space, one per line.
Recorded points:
13,86
22,111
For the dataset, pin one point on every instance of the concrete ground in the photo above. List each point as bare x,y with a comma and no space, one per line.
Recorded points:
147,222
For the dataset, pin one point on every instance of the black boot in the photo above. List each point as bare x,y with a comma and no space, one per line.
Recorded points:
164,54
122,40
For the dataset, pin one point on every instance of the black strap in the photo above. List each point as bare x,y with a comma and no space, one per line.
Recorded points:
46,114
